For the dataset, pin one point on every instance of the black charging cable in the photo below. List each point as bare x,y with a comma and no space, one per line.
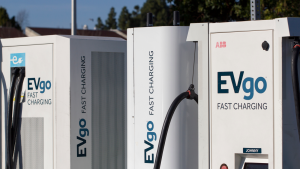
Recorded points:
18,74
295,81
15,124
190,94
14,77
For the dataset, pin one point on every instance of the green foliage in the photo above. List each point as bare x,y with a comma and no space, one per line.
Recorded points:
14,23
135,19
138,17
160,11
280,8
5,21
111,22
124,19
129,20
192,11
231,10
211,10
100,25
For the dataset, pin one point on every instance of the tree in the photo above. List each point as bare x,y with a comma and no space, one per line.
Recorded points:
135,20
14,23
160,11
124,19
192,11
4,19
6,22
211,10
111,22
233,10
22,18
100,25
280,8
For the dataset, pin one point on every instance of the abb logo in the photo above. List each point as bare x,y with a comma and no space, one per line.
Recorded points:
221,44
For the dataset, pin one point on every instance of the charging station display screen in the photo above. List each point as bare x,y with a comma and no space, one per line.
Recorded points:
256,166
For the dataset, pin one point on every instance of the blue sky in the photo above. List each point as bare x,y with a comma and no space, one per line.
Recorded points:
57,13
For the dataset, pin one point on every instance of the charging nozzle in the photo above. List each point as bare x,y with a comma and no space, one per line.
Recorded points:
192,94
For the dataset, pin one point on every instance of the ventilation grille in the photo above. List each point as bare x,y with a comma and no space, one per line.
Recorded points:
108,110
30,144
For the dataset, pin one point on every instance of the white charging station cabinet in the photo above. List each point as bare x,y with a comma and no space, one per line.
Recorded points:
73,102
160,67
246,111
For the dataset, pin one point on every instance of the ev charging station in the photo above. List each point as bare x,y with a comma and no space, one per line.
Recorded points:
159,67
72,103
246,108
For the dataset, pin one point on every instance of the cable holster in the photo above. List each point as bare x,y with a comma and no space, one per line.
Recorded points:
192,94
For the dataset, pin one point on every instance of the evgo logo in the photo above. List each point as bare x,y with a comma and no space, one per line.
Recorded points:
38,84
253,84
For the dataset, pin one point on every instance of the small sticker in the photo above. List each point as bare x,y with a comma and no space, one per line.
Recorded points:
17,60
251,150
